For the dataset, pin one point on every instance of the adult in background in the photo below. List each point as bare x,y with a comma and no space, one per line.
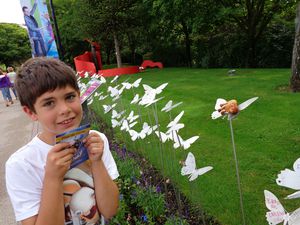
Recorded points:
12,76
4,86
34,30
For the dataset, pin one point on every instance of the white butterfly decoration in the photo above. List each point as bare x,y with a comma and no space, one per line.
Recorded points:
153,101
102,79
116,115
189,168
216,114
116,123
131,117
178,141
137,135
90,100
157,90
150,93
135,99
291,179
115,79
102,97
95,76
126,125
116,98
86,74
147,129
113,91
163,136
174,125
108,108
169,106
277,213
98,94
135,84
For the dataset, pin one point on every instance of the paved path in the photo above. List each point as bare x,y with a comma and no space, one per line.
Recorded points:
16,129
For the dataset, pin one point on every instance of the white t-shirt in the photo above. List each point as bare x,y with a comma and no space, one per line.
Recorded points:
25,171
12,76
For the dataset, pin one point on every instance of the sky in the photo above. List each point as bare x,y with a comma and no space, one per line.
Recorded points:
11,12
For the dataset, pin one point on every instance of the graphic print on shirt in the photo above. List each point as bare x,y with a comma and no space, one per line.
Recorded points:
79,199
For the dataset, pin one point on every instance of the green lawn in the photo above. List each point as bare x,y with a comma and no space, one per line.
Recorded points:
267,136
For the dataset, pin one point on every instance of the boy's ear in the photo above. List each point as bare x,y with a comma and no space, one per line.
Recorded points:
32,115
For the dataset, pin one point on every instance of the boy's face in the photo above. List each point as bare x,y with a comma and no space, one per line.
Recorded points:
57,111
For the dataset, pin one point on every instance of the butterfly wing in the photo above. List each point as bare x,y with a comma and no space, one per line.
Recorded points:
176,119
160,88
137,83
173,106
134,135
219,102
216,115
294,218
294,195
289,178
135,99
296,165
190,165
245,104
199,172
167,106
277,212
187,143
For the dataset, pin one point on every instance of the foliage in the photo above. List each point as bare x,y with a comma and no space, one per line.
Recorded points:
214,33
14,44
137,204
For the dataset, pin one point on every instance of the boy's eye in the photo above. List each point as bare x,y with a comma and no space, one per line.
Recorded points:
71,97
48,104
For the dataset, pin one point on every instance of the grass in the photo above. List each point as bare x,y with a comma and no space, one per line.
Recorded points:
267,137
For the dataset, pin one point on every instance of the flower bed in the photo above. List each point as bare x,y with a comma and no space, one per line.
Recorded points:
146,197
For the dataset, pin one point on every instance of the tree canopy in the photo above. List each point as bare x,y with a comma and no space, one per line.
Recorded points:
14,44
212,33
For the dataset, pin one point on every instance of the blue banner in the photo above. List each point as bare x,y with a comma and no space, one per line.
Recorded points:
37,21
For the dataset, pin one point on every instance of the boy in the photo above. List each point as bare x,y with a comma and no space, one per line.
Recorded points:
41,187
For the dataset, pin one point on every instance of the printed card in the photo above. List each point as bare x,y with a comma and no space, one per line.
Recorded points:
76,137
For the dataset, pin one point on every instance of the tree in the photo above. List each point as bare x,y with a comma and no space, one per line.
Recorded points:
295,78
106,18
14,44
252,17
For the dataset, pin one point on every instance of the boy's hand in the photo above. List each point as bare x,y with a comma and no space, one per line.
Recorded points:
59,160
95,146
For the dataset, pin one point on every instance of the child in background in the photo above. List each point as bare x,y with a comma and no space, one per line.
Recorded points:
12,77
4,86
41,187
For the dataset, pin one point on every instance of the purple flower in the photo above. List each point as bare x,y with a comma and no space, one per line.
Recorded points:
144,218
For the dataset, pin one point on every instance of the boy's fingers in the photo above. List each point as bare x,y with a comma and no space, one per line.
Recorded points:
60,146
94,139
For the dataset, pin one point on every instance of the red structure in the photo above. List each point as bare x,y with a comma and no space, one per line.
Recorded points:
89,61
150,63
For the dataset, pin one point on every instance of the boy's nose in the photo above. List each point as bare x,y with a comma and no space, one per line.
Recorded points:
64,108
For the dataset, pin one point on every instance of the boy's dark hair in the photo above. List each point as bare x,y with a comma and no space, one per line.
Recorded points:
40,75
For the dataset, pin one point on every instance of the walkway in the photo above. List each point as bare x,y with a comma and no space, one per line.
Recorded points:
16,129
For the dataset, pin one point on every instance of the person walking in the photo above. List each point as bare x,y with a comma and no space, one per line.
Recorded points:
4,86
12,76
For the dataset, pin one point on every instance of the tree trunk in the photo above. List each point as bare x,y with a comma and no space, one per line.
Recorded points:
187,44
117,48
295,78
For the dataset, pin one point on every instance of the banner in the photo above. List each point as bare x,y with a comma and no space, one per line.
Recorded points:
37,21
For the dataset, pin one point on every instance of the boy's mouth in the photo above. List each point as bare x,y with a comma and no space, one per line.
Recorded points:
66,121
